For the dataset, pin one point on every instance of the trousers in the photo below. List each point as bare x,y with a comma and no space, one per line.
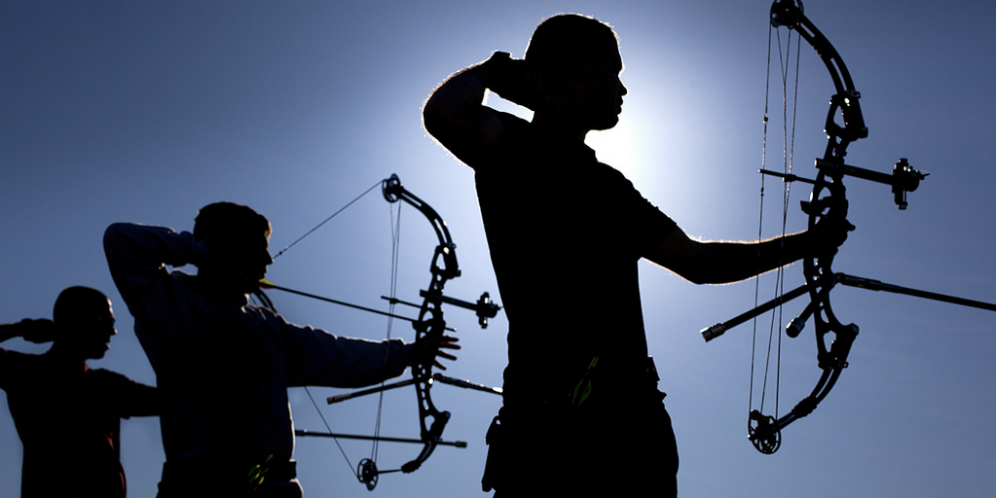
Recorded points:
618,442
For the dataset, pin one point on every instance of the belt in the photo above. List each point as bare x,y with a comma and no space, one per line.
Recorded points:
196,473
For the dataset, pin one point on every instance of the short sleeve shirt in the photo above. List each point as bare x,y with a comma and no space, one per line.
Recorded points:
566,233
68,418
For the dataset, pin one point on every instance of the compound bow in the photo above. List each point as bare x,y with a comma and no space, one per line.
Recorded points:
827,201
429,324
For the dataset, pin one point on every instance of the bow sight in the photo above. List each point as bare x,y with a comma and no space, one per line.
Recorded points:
903,179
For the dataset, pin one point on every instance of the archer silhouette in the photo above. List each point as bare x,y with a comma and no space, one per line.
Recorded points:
581,406
67,414
223,365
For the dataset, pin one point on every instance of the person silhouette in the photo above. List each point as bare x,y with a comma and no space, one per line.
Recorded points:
580,401
223,365
67,414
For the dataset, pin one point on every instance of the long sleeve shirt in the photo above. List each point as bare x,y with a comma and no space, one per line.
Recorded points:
223,366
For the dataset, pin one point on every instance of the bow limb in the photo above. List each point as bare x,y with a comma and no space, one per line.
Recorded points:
789,13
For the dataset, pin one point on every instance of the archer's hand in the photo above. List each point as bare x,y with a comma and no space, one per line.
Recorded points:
828,234
429,349
36,330
516,81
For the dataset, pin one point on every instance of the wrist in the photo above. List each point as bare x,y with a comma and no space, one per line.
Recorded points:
411,354
492,69
514,80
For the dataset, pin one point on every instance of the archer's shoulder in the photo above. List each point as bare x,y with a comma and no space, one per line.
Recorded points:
109,377
17,368
609,179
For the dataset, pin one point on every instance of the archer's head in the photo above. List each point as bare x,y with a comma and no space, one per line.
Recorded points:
237,242
578,59
84,323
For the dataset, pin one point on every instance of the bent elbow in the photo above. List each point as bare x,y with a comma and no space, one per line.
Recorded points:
433,120
112,233
437,115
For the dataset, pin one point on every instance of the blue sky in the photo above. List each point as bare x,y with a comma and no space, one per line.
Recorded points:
145,111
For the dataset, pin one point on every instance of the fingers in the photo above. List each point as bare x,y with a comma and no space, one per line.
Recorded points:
432,349
444,342
445,356
448,342
442,354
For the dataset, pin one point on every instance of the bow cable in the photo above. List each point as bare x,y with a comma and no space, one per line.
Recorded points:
788,152
395,238
309,232
395,251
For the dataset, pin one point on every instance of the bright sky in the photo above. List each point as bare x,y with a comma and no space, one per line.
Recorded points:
146,111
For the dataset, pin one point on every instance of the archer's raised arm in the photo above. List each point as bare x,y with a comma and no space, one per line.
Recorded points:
456,116
455,113
137,256
37,330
